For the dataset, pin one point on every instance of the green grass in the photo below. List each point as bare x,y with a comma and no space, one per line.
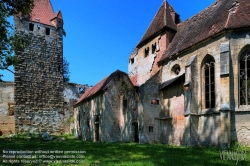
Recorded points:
123,154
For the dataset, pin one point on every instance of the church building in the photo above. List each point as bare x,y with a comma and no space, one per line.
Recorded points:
190,79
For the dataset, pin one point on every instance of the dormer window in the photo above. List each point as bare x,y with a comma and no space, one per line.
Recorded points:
47,31
31,27
146,52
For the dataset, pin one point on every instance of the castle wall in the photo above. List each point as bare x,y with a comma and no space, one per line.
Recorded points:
7,125
39,80
148,111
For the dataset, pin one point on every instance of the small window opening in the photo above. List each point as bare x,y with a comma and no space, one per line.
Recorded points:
155,102
31,27
81,90
59,68
146,52
47,31
88,124
125,105
153,48
176,69
132,60
10,109
177,18
151,129
97,119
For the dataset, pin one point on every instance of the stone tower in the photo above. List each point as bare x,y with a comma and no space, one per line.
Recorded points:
38,92
143,63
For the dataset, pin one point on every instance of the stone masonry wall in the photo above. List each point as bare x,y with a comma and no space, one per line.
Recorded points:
39,80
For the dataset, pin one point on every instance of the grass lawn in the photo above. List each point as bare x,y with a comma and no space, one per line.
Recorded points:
118,154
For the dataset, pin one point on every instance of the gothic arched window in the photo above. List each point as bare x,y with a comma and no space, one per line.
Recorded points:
244,77
208,77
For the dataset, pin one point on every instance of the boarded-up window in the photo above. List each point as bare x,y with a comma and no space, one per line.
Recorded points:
224,58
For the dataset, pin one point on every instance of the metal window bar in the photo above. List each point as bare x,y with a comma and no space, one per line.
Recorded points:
209,85
245,79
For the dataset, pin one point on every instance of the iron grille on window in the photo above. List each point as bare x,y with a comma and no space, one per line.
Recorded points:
209,85
245,78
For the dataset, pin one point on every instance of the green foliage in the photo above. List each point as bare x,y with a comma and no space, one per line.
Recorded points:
66,72
124,88
10,43
72,119
127,154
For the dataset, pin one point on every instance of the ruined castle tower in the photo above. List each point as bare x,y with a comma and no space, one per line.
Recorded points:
39,74
143,63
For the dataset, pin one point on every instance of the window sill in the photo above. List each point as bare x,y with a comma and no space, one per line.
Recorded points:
243,108
209,111
164,118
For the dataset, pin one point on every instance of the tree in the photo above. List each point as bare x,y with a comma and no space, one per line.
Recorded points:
9,42
65,70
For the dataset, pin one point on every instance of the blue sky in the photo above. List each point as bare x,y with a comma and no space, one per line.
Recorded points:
102,34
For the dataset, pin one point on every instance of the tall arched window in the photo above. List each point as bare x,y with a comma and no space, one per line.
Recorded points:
208,77
244,77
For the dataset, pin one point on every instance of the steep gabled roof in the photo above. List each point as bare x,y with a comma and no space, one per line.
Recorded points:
43,12
99,86
220,16
162,19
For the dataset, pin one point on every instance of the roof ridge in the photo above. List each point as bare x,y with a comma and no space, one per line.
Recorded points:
43,12
218,17
152,21
98,87
161,20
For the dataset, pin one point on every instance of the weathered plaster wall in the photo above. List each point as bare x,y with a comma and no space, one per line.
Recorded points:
72,92
114,122
226,88
171,118
7,125
146,66
147,111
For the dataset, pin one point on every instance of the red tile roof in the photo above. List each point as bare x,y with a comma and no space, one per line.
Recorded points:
220,16
98,87
92,91
43,12
162,19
